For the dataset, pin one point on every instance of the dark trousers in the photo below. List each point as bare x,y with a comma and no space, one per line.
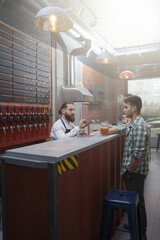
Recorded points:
136,183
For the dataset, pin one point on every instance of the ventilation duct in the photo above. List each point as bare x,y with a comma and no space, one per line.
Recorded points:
83,50
73,92
76,94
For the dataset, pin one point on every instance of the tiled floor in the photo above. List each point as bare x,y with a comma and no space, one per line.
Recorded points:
152,200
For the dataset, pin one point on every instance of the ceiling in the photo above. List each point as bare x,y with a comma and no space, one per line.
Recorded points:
122,23
130,29
127,28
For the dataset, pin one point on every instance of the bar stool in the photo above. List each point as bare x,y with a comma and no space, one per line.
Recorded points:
117,199
158,140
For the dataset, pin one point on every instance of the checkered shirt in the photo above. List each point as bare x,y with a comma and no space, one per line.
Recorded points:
136,145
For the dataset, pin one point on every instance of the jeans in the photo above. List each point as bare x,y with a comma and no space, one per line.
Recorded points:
136,183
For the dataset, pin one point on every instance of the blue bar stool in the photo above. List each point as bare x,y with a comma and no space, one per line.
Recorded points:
117,199
158,140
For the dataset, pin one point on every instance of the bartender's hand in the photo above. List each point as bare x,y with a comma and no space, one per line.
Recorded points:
81,122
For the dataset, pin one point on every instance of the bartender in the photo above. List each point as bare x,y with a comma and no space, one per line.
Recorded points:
64,127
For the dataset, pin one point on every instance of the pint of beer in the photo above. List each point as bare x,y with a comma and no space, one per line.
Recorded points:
104,129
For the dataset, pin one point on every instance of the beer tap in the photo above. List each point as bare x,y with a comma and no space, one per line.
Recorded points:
22,119
15,119
8,119
1,120
33,118
43,118
28,119
38,118
47,115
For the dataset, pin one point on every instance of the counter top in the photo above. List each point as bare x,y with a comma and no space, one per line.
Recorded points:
54,151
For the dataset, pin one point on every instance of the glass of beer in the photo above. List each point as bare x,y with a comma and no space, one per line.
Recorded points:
104,129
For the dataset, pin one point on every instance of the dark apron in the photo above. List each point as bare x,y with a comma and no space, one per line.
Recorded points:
67,130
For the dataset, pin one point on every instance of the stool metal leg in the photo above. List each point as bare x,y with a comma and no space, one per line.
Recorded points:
109,223
106,225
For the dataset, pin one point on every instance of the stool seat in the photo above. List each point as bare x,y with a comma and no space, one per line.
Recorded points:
119,199
158,141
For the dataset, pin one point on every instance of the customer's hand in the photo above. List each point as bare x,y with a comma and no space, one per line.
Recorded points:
128,174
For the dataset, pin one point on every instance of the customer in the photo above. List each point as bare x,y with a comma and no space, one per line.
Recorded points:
64,127
136,155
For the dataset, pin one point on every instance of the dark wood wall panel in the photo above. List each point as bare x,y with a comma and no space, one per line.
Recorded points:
25,61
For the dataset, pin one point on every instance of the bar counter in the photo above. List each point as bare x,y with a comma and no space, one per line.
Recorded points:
40,204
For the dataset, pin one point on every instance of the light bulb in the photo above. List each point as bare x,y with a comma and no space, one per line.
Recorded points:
53,23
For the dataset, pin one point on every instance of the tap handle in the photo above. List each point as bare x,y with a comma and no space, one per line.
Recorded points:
1,117
4,130
8,113
38,116
47,115
15,113
14,116
21,110
27,110
8,117
32,110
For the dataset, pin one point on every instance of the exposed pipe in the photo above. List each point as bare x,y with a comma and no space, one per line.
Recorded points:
83,50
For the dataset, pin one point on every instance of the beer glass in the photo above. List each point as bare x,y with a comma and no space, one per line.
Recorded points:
104,128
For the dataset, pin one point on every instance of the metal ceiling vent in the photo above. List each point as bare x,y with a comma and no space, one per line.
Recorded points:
76,94
82,50
72,92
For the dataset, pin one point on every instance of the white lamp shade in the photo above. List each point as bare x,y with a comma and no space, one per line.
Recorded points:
106,58
52,19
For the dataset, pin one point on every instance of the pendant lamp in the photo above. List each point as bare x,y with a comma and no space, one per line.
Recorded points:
105,58
53,19
126,75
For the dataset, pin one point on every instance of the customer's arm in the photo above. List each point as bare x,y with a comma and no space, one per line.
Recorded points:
133,165
113,131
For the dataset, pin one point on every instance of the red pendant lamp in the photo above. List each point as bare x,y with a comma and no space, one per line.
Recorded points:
126,75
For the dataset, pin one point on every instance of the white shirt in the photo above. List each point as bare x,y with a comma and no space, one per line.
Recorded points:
58,130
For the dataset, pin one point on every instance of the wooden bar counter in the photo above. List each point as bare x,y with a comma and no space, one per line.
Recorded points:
39,204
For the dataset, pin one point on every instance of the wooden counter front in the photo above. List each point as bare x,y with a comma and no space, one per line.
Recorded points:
38,204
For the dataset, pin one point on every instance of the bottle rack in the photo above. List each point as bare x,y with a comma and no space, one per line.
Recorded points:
23,124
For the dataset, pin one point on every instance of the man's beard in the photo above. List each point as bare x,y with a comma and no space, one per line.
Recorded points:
69,118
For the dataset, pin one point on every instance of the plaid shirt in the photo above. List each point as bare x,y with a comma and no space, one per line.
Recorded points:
136,145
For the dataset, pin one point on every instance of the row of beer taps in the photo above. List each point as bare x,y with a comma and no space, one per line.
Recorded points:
36,118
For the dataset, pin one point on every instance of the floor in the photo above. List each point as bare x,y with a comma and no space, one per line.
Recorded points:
152,200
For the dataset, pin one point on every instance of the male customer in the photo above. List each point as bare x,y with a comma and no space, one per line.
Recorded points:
136,155
64,127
